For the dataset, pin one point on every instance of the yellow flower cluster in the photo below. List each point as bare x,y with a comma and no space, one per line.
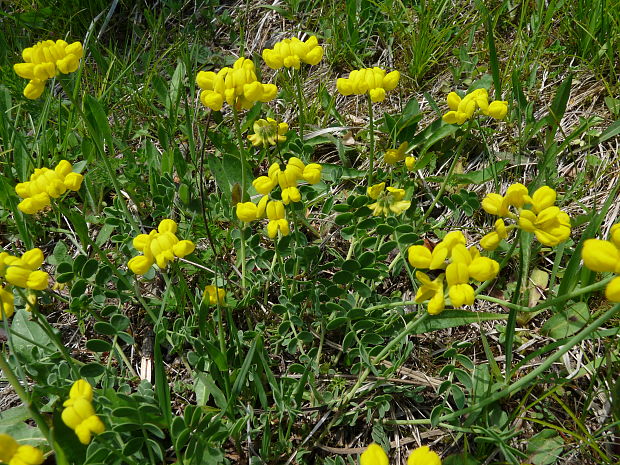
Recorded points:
372,81
288,178
214,294
12,453
45,60
274,209
463,109
393,156
160,246
45,183
604,256
375,455
550,224
268,132
388,200
79,414
463,264
238,86
292,52
23,272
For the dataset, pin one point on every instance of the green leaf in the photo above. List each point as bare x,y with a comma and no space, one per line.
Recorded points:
98,345
545,447
92,370
567,321
337,323
29,338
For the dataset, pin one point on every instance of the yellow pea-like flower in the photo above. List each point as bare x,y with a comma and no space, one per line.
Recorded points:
214,294
12,453
290,53
6,303
79,414
374,455
423,456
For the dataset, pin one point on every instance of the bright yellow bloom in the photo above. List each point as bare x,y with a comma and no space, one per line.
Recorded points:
393,156
6,303
388,200
292,52
491,241
463,109
410,163
374,455
45,183
277,220
249,211
423,456
215,294
604,256
467,264
238,86
22,272
12,453
160,246
372,81
551,225
288,178
312,173
44,61
79,414
268,132
431,290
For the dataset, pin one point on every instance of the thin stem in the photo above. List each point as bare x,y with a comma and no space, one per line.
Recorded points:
242,157
444,184
300,103
371,125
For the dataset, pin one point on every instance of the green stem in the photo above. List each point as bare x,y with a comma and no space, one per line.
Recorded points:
534,374
242,157
444,184
371,125
300,103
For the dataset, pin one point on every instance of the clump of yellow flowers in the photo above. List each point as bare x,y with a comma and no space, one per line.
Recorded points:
12,453
550,224
45,60
290,53
372,81
274,209
160,246
463,109
23,272
388,200
375,455
79,414
460,264
604,256
268,132
238,86
288,178
45,183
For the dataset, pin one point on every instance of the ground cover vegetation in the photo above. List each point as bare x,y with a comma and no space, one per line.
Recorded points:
310,232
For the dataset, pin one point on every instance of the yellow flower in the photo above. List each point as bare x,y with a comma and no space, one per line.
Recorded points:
268,132
372,81
312,173
159,246
6,303
12,453
551,225
44,61
79,414
389,200
393,156
464,109
238,86
423,456
410,163
216,295
604,256
277,221
374,455
491,241
292,52
431,290
22,272
45,183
